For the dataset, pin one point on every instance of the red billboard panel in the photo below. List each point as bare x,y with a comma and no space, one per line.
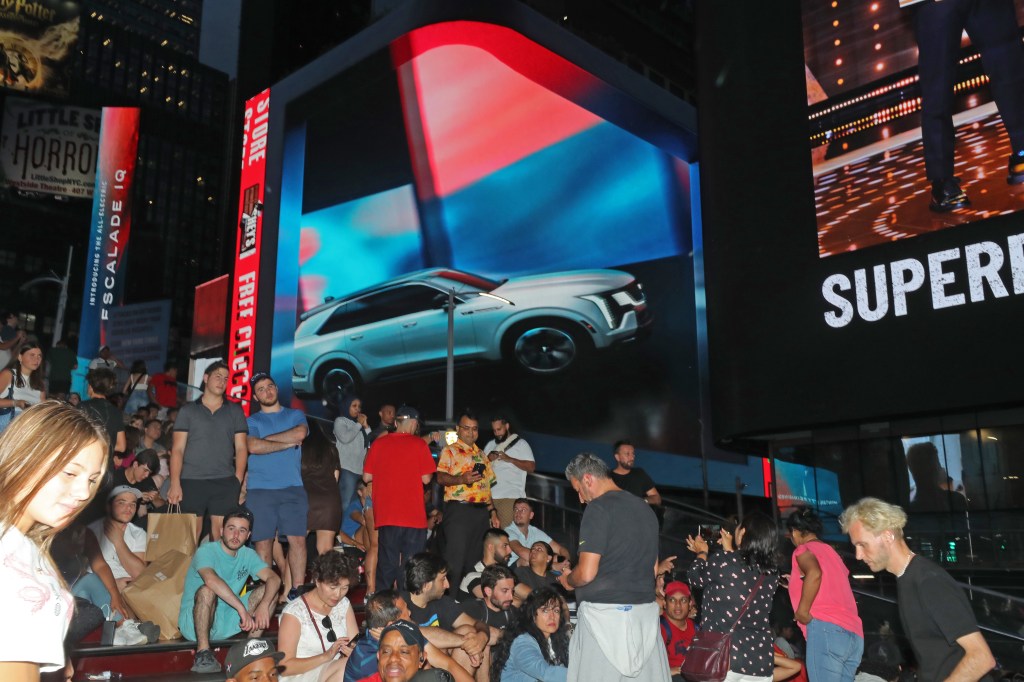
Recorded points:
245,277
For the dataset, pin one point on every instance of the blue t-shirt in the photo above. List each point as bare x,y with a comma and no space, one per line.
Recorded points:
234,570
363,661
281,469
350,526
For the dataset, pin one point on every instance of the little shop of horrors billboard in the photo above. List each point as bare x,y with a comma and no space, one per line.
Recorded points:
37,40
49,149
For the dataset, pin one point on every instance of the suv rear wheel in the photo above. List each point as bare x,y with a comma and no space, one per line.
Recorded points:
336,380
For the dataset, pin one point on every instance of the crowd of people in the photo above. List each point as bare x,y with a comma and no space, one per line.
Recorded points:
470,590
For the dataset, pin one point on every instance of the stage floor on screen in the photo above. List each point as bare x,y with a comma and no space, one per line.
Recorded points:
884,197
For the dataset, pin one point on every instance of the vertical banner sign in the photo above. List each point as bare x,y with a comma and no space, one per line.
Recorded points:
111,224
245,279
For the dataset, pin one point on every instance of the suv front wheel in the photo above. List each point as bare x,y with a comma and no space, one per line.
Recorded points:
546,346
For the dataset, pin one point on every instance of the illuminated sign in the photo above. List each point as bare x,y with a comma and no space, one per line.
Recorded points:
245,278
111,225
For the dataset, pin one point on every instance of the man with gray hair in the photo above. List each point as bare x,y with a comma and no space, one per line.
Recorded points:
617,636
936,616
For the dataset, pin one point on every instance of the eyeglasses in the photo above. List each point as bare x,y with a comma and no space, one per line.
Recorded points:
469,428
331,637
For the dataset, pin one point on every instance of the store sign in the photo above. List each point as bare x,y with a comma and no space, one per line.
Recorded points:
245,277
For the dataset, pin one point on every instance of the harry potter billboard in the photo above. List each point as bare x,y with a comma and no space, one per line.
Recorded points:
37,40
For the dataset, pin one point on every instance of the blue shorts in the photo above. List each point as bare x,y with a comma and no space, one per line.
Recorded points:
277,511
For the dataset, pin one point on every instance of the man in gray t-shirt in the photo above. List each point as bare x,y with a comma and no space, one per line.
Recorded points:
209,453
614,582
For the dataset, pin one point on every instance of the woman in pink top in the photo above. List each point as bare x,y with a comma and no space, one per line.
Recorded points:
819,587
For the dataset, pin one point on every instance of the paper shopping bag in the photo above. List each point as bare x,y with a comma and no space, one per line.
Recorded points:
171,532
156,594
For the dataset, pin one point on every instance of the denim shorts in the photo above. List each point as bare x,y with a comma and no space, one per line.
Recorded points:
282,510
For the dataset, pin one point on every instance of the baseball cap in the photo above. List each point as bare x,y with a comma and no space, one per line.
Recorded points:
677,587
258,377
103,348
410,632
245,652
407,412
124,489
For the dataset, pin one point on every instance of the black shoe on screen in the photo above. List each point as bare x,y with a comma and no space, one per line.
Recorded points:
1016,168
947,196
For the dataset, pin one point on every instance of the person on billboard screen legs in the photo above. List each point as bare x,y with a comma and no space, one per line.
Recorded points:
992,28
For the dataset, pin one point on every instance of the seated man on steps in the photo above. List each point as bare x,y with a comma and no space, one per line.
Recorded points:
496,551
401,656
116,552
211,606
426,578
383,609
495,607
139,475
522,535
254,660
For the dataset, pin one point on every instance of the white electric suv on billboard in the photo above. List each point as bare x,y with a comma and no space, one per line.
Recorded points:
542,323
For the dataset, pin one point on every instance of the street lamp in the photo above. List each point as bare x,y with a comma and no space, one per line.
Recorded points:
62,302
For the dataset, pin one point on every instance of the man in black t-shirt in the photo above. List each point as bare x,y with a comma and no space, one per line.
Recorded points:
630,478
936,616
495,609
139,475
617,630
426,577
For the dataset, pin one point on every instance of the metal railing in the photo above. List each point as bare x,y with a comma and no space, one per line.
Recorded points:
559,512
1000,615
878,609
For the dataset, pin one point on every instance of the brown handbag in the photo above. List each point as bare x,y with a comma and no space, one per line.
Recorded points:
707,657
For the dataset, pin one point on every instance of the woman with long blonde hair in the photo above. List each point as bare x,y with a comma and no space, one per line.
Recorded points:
52,461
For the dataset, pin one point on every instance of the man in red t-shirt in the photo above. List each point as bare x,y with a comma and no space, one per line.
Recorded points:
399,464
676,626
165,387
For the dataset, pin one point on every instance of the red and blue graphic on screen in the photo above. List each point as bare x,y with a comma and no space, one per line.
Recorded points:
512,174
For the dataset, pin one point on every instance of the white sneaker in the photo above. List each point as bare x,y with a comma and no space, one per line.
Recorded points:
127,634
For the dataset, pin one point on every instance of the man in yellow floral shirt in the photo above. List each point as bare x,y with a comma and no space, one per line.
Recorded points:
467,478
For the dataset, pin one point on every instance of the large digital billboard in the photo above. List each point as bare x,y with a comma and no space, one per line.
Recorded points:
813,325
463,165
916,113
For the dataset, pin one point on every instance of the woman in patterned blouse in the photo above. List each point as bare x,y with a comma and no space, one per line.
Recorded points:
727,579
